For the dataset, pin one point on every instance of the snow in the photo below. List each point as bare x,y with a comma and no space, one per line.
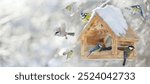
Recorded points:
105,2
27,34
114,18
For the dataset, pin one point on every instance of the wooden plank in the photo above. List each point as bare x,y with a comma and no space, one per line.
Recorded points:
122,43
83,45
106,55
82,48
114,46
127,39
87,26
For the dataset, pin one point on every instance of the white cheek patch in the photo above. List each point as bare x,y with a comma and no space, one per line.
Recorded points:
130,48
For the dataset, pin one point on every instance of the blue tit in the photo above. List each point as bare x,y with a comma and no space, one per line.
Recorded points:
85,16
97,47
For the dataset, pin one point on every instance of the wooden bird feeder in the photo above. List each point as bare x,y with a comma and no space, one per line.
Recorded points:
97,30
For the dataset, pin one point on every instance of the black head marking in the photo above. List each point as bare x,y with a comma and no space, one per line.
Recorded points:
56,32
131,47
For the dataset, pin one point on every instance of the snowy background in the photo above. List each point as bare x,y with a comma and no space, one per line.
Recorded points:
27,33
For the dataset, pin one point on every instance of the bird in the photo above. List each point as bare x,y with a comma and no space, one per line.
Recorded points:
127,52
85,16
68,53
71,8
97,47
137,9
61,31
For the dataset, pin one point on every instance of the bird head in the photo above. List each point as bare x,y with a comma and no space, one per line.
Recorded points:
83,15
57,33
131,48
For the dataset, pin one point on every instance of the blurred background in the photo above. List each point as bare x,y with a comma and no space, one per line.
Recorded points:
27,29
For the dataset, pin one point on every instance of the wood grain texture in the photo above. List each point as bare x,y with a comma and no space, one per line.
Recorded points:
96,32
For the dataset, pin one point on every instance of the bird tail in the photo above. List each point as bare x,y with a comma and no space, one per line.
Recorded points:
125,58
124,62
71,34
89,54
107,48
